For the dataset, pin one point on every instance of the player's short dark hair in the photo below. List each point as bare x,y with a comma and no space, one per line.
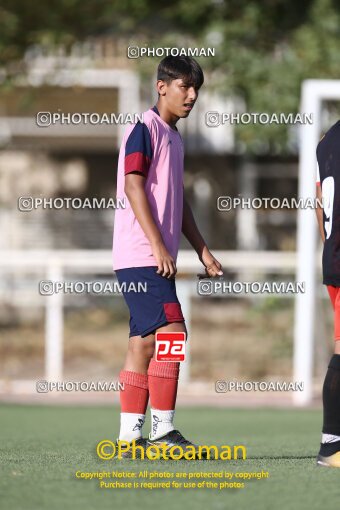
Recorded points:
185,68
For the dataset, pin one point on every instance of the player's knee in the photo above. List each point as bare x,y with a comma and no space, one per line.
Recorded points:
143,347
148,350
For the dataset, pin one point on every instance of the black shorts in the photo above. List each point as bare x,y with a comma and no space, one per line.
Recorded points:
156,306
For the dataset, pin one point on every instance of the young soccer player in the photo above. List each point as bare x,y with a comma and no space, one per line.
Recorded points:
145,246
328,188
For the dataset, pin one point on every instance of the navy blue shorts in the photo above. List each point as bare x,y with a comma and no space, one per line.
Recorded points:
154,308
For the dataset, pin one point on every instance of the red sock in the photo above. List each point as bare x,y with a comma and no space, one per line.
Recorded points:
134,397
163,382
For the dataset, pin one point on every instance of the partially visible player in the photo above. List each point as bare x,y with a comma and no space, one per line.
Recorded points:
328,188
146,241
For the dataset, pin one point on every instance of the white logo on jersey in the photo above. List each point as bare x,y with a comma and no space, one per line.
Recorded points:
328,202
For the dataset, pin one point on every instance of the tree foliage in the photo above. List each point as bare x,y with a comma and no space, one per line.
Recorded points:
264,48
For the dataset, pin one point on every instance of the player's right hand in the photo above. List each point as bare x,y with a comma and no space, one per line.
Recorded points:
165,263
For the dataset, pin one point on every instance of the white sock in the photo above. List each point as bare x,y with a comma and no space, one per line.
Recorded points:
131,426
161,423
329,438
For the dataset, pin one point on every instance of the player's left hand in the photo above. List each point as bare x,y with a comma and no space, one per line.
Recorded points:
213,267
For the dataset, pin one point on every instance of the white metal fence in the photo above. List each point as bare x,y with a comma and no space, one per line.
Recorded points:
56,265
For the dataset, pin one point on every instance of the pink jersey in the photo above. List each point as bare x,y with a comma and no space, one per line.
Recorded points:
155,150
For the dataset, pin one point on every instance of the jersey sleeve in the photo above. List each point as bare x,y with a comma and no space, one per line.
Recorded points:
138,150
317,174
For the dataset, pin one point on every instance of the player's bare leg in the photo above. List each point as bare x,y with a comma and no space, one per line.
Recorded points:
140,352
134,398
138,375
163,383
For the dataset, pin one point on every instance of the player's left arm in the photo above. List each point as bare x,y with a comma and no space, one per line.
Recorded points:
319,211
193,235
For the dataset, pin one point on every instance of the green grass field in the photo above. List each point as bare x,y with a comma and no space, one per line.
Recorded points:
42,447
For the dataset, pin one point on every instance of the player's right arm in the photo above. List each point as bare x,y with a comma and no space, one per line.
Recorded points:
319,212
135,192
319,209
